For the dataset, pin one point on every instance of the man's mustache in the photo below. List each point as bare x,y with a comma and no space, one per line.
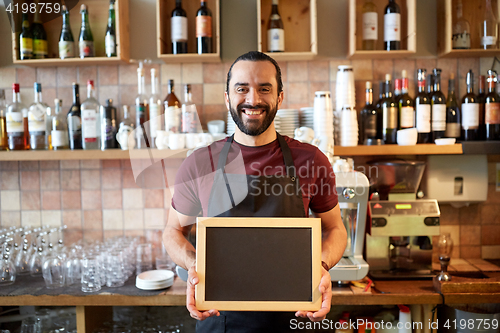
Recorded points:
253,107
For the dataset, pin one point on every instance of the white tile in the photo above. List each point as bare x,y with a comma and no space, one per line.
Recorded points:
112,219
133,219
10,200
52,218
7,77
10,219
192,73
31,218
132,198
213,93
170,72
154,218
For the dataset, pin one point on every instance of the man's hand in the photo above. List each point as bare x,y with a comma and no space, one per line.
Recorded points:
325,287
191,302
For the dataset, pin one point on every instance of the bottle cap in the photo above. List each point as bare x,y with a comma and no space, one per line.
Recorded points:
452,76
404,74
83,7
436,71
388,77
38,87
109,102
397,84
15,87
171,82
64,8
57,101
90,83
368,85
404,308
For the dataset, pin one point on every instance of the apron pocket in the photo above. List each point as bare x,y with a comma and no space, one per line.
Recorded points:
212,325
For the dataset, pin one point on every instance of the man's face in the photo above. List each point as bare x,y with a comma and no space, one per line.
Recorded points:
252,96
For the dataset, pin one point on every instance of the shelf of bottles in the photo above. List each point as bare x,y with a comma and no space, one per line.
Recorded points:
286,30
467,28
382,29
184,33
98,17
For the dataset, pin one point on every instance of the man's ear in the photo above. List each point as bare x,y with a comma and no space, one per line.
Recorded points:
226,99
280,99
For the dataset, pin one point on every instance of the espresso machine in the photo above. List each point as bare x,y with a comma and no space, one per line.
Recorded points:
399,237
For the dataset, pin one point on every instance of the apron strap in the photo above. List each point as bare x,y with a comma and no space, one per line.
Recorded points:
287,157
221,164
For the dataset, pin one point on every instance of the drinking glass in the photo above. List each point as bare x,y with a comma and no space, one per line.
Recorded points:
91,279
53,272
144,259
115,271
73,270
30,325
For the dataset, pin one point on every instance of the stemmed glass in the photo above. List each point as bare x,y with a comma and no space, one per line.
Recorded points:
7,268
445,246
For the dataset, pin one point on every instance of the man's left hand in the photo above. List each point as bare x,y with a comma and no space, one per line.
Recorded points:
325,287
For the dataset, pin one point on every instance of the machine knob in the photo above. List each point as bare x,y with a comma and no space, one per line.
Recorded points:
348,193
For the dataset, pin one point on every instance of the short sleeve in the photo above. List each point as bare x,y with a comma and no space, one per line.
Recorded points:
323,193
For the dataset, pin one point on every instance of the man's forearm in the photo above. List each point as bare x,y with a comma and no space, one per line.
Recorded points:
179,248
333,245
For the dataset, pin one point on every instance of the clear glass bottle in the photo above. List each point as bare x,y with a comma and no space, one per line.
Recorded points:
4,144
66,40
461,30
110,37
37,125
141,112
172,110
17,122
275,31
59,128
91,129
156,113
126,127
190,120
488,29
370,25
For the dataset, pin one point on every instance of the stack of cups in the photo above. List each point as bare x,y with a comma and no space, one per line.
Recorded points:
344,91
349,124
323,121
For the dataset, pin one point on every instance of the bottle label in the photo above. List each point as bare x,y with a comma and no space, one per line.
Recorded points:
392,27
59,138
107,131
36,120
15,123
203,26
438,117
371,126
452,130
423,118
89,128
470,116
66,49
153,119
40,48
488,40
26,46
407,117
390,117
370,26
461,41
189,119
276,40
86,48
110,45
173,119
179,29
492,113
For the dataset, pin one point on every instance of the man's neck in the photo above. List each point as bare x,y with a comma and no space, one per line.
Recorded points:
254,141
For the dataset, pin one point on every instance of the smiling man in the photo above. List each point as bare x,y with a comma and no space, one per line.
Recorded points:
230,178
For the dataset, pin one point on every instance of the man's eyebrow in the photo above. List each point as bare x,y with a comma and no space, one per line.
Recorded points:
239,84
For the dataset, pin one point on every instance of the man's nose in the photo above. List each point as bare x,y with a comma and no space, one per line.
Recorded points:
252,97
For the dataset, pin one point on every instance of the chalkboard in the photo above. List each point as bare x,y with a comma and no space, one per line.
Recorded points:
258,264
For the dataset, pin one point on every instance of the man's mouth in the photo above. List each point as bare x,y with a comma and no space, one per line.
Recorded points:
252,112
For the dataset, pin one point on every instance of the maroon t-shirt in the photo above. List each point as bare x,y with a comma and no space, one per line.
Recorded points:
195,177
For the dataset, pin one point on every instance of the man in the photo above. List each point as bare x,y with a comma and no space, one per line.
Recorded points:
256,159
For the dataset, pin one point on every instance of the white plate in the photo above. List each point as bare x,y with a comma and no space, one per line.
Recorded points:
158,275
445,141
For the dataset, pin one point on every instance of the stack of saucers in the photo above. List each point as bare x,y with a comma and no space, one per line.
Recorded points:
289,120
306,117
231,126
154,280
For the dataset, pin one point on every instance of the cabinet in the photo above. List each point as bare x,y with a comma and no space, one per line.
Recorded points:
164,10
408,30
98,18
299,22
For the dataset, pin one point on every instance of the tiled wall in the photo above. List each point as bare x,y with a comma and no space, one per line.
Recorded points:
101,198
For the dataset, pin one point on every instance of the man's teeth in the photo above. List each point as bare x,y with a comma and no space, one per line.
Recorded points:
252,112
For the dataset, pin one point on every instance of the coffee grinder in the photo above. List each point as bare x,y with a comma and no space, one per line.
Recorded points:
399,239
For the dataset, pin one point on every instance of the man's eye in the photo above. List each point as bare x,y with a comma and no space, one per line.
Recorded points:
241,90
265,90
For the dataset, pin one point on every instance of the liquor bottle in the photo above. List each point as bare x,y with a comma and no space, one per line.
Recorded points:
488,28
423,110
86,40
461,30
470,111
91,131
438,107
481,99
397,90
156,113
108,126
389,114
190,120
378,106
179,29
59,128
392,26
275,31
453,114
110,36
75,120
492,108
368,123
37,124
204,29
66,41
40,50
141,112
406,105
4,143
17,121
126,125
172,110
25,39
370,25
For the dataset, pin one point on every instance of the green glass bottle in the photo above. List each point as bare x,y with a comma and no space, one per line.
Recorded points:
110,38
86,40
40,50
66,40
25,39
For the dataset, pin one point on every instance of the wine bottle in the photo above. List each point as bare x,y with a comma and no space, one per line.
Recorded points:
392,26
75,120
438,107
110,37
368,123
40,50
204,29
406,104
492,108
66,41
275,31
397,90
453,114
91,131
488,28
4,143
378,106
59,128
470,111
481,99
17,113
109,123
423,110
142,112
25,39
86,40
179,29
172,110
461,30
156,112
370,25
389,114
37,114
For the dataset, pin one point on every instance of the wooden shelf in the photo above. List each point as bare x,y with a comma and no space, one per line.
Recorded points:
408,31
98,17
420,149
300,24
475,53
164,10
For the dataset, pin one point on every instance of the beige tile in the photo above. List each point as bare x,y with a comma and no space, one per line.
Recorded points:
91,179
28,165
91,199
283,68
90,164
30,180
317,86
73,236
30,200
319,70
70,164
66,95
46,76
490,214
454,231
362,69
470,235
167,195
66,76
112,199
93,235
49,94
490,235
109,164
426,63
31,218
485,64
127,75
470,215
26,76
197,93
493,194
153,198
50,180
108,75
109,92
111,179
84,74
192,73
9,165
213,112
92,219
466,64
213,93
70,179
27,95
127,95
51,200
52,218
10,200
10,219
213,73
113,233
334,67
490,252
298,71
154,218
49,165
449,215
72,219
133,219
298,92
71,200
112,219
470,252
170,72
132,198
9,180
7,77
381,68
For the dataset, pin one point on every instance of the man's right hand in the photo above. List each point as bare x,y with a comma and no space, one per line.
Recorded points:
191,301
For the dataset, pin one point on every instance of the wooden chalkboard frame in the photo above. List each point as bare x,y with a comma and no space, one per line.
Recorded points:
201,232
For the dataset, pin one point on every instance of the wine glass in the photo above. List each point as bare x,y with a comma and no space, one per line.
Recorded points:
445,246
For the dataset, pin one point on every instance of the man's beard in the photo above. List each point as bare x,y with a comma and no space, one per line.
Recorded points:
252,127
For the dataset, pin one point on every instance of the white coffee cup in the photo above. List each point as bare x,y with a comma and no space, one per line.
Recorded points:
407,137
304,134
205,139
192,140
177,141
216,126
126,139
162,139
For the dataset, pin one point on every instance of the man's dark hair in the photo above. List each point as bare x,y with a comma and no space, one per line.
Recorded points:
257,56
